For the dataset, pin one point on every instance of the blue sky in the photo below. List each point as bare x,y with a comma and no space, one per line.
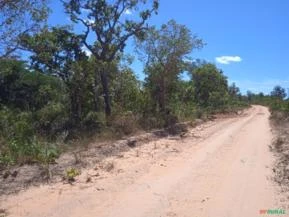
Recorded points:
253,34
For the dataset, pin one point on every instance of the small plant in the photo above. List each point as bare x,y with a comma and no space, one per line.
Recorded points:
71,174
48,154
6,160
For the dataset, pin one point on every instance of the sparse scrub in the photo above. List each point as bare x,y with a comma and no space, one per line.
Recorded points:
125,123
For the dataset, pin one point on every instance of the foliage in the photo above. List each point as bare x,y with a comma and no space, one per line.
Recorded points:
211,87
17,18
105,19
165,52
276,101
54,50
74,86
127,91
278,92
71,174
27,152
29,103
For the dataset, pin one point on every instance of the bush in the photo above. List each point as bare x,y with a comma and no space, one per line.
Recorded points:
125,123
94,120
16,125
19,141
51,118
28,152
71,174
183,111
152,122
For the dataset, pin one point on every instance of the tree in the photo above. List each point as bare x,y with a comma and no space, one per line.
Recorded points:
278,92
19,17
165,51
10,73
127,91
211,86
261,95
234,91
107,21
58,52
250,95
54,50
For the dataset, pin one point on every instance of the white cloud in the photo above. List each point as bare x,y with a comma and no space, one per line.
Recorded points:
86,51
228,59
128,12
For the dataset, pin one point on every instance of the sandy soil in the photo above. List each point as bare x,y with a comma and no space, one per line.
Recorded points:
222,168
280,149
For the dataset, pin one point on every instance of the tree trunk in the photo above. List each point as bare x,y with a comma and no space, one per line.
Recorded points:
74,109
95,92
162,96
104,82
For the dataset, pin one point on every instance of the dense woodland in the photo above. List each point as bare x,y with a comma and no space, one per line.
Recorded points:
58,84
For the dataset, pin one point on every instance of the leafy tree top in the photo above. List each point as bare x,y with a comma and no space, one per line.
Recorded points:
279,92
169,44
17,18
110,23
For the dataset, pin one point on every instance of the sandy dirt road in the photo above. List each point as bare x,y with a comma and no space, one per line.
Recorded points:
221,169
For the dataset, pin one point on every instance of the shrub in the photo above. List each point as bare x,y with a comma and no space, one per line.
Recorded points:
28,152
71,174
94,120
16,125
152,122
125,123
51,118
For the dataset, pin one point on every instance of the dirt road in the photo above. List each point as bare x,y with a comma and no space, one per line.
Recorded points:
221,169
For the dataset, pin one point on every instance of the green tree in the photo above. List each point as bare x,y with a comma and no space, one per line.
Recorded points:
211,87
234,91
107,21
40,97
279,92
58,52
54,50
165,51
250,95
127,91
10,73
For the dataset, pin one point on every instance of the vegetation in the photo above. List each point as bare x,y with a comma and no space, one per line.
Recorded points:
276,101
71,174
17,18
72,86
